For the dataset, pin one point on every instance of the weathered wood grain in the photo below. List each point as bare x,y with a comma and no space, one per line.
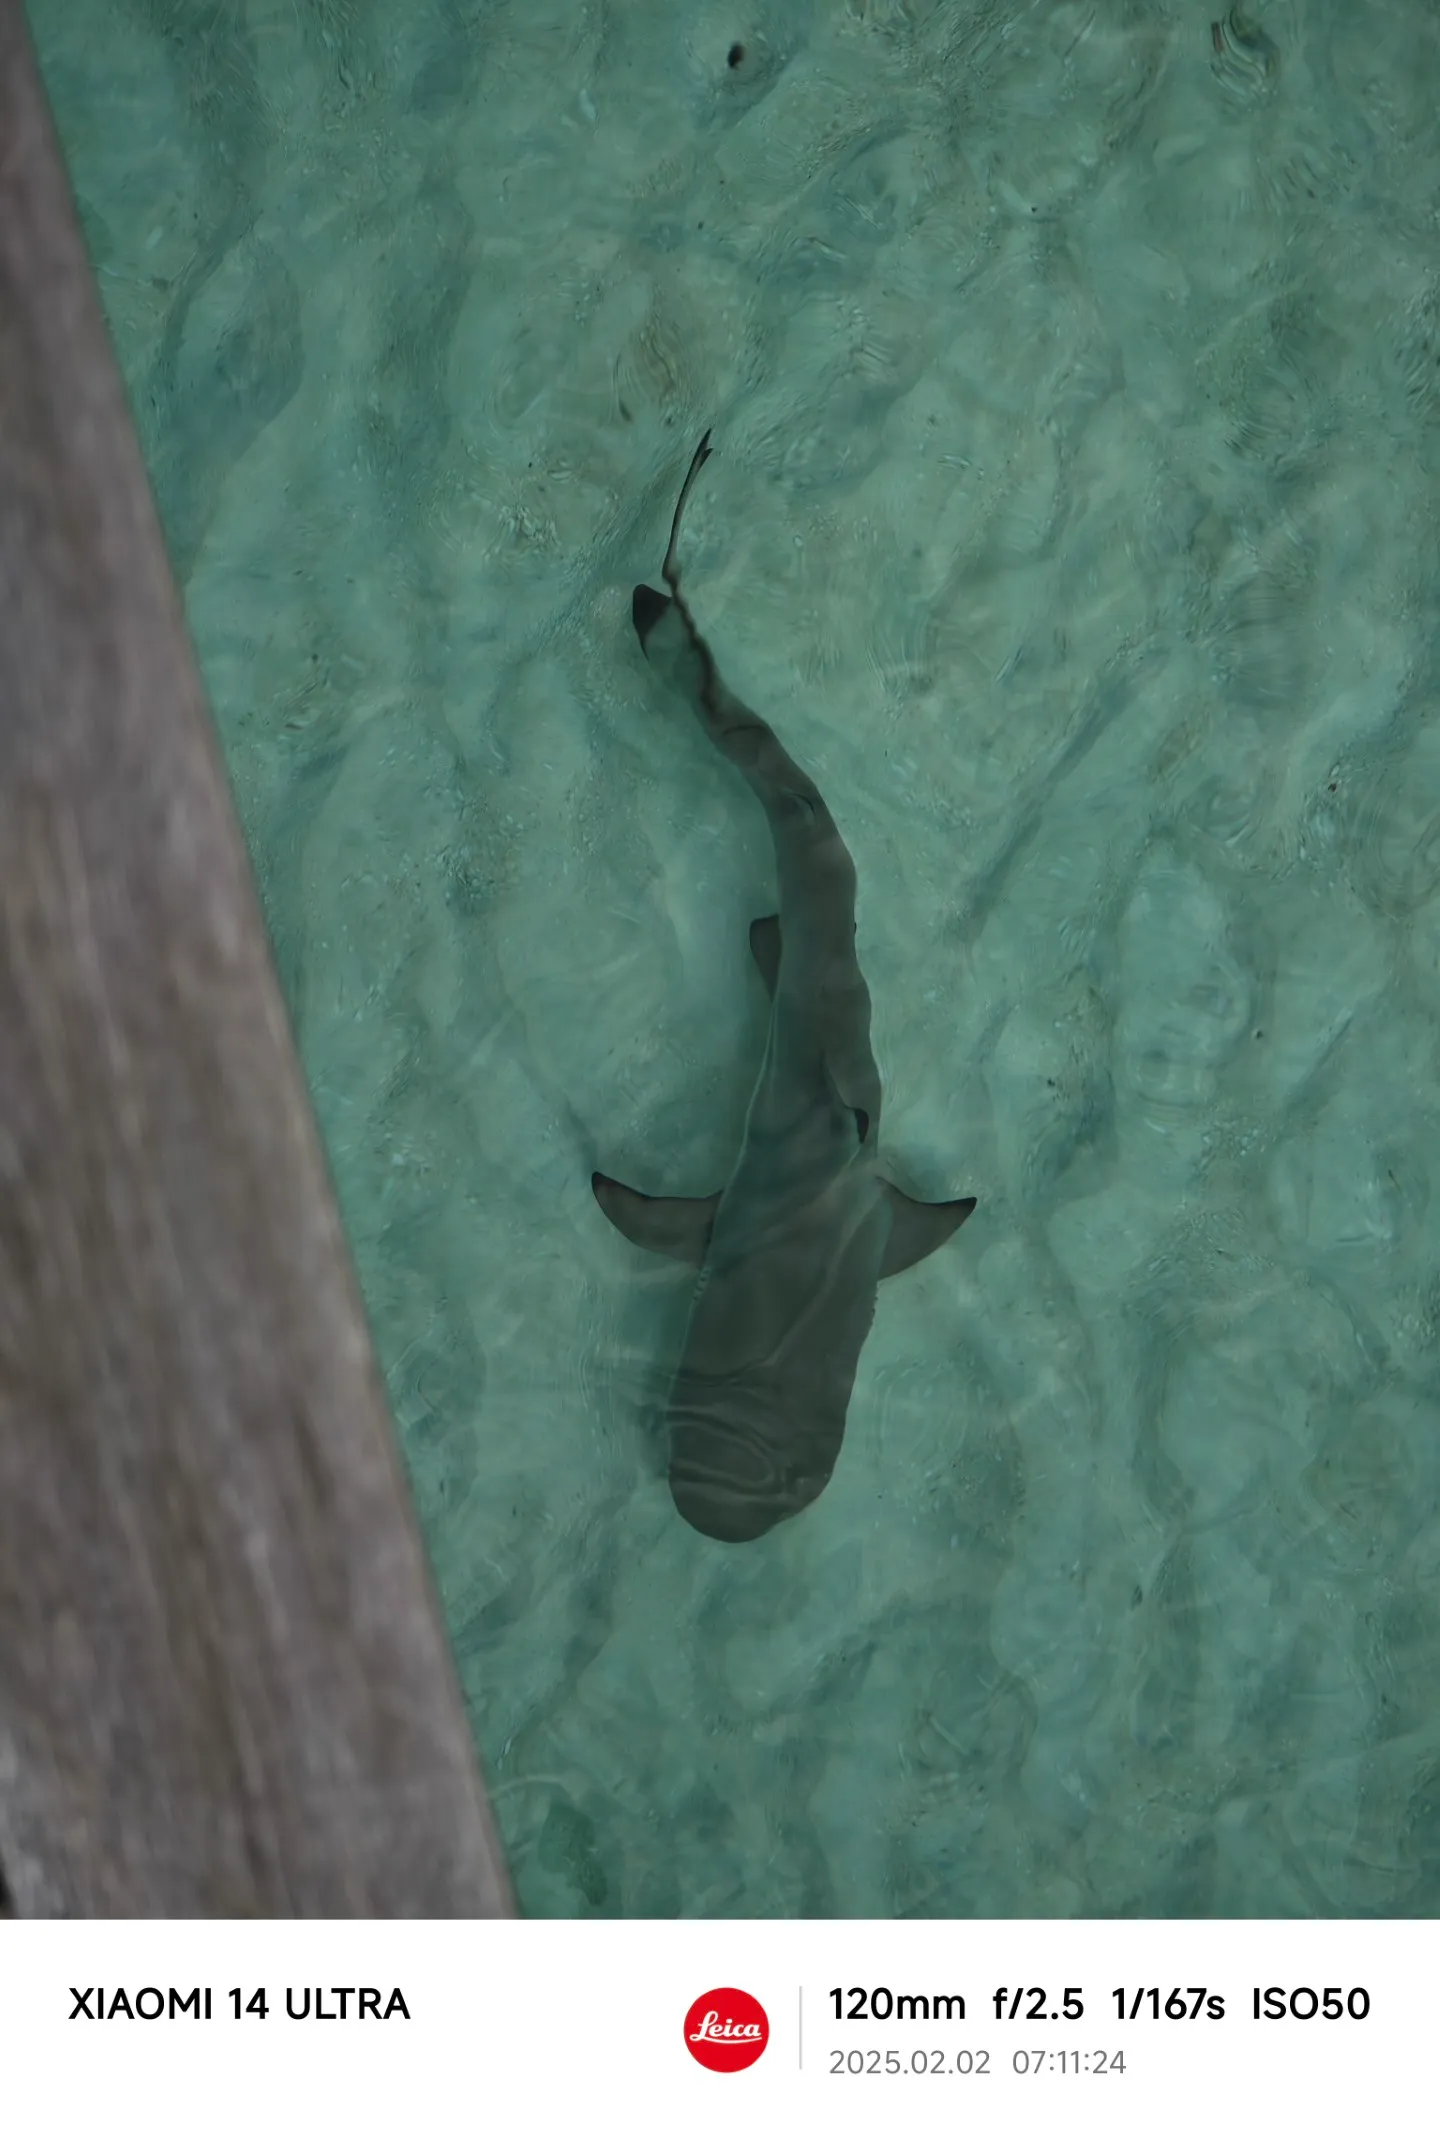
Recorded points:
223,1685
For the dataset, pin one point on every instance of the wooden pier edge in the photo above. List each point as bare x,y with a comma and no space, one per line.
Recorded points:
224,1686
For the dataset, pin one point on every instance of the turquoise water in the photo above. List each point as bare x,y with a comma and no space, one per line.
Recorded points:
1075,375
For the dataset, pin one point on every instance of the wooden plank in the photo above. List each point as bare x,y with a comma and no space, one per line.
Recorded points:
223,1685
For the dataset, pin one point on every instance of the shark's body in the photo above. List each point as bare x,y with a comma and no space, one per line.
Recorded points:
792,1250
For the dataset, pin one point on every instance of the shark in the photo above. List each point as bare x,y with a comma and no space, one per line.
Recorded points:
791,1252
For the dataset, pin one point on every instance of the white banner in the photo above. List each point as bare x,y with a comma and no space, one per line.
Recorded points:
939,2028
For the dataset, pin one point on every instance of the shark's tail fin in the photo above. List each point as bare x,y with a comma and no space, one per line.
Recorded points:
787,792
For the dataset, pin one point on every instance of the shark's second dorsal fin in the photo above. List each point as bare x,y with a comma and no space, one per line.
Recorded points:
677,1227
916,1229
765,949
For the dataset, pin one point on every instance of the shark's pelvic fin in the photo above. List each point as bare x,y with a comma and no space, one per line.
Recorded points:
916,1229
765,949
677,1227
859,1116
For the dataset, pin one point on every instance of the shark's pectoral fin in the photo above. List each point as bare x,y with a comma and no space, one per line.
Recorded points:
678,1227
765,949
916,1229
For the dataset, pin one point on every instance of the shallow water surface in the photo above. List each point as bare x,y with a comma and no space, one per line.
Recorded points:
1075,375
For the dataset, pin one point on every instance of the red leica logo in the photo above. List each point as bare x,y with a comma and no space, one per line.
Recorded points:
726,2030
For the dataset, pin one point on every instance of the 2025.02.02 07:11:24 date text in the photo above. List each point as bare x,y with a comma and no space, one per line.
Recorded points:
978,2062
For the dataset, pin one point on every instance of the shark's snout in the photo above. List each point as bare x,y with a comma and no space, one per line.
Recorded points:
722,1514
647,607
732,1496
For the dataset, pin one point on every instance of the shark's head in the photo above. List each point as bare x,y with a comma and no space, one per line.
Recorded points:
742,1460
757,1409
734,1511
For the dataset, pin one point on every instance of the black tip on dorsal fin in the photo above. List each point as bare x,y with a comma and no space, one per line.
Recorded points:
647,607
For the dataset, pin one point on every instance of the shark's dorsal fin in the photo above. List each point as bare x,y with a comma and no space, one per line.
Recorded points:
916,1229
765,949
677,1227
647,607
